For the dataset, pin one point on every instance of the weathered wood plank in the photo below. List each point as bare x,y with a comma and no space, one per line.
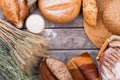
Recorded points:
1,77
78,22
67,39
66,55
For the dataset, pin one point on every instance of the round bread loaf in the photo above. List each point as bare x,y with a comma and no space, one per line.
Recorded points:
111,16
60,11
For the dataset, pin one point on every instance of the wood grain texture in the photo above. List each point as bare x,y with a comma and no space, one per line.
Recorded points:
1,77
68,39
66,55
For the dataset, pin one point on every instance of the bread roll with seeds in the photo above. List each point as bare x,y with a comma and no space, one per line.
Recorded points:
90,12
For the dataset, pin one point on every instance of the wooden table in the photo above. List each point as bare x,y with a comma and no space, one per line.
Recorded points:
67,40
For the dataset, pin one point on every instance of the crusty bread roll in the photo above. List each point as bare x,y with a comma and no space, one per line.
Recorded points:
111,16
60,11
15,11
109,59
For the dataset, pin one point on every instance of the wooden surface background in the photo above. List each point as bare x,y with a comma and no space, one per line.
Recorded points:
67,40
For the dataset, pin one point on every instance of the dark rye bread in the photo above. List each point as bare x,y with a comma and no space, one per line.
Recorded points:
109,64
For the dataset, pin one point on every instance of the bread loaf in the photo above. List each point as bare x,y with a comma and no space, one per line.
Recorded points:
45,73
86,66
60,11
111,16
15,11
53,69
109,59
59,69
75,72
109,64
90,12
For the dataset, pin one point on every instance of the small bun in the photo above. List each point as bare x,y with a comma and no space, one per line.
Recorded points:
60,11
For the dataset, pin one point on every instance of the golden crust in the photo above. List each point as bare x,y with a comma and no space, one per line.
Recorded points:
23,8
90,12
10,10
60,11
15,11
111,16
98,34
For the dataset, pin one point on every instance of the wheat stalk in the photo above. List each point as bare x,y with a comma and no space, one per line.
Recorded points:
26,48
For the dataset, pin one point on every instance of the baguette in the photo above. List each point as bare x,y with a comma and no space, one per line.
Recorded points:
15,11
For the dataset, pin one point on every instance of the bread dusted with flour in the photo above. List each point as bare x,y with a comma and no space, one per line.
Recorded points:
109,59
60,11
